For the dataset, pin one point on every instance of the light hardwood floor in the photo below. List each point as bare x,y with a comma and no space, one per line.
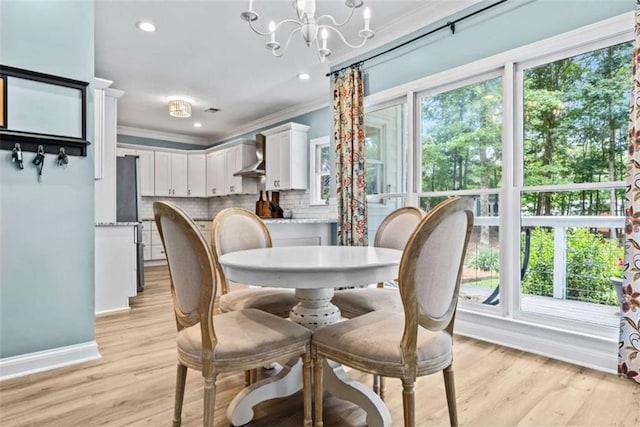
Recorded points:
133,384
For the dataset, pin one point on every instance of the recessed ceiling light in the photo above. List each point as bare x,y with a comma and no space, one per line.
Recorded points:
146,26
197,125
304,76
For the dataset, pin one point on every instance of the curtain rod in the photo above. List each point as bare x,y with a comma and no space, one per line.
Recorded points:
450,24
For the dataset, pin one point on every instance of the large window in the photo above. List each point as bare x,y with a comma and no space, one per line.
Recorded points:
575,113
537,137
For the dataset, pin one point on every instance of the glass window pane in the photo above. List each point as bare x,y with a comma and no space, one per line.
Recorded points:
462,138
574,253
324,158
385,150
325,186
576,114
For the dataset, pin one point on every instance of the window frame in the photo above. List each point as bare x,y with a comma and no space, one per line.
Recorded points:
315,176
586,345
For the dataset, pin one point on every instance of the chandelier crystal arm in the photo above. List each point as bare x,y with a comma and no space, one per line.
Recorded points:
268,33
353,46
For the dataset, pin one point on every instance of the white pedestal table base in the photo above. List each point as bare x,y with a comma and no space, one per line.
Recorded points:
314,310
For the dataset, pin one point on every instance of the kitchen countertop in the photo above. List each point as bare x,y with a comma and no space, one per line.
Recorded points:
116,224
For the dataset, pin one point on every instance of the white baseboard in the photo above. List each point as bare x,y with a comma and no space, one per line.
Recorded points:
590,351
39,361
113,311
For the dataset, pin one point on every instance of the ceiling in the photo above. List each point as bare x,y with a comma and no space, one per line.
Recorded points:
204,51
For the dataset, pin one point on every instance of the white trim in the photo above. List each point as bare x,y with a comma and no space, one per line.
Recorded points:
113,311
572,187
39,361
99,83
164,136
274,118
594,352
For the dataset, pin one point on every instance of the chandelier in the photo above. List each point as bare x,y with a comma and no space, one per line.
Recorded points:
309,27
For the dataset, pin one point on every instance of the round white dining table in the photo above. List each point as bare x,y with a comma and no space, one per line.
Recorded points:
314,272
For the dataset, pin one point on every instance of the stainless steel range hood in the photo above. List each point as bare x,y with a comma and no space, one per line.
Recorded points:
255,170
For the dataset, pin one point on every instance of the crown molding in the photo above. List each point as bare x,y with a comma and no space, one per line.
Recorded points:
164,136
274,118
415,20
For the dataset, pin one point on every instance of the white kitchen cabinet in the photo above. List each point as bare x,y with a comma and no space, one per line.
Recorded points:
287,151
197,178
147,171
115,268
205,229
105,151
179,174
146,239
216,183
170,174
237,157
156,247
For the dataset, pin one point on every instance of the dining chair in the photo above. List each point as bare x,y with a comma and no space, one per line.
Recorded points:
213,344
236,229
417,341
393,232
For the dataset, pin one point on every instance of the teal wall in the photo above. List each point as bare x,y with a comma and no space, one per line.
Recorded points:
47,227
507,26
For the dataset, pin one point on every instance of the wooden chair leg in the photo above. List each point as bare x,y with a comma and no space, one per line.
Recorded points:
181,378
376,384
247,378
450,388
209,401
306,389
382,387
408,403
318,389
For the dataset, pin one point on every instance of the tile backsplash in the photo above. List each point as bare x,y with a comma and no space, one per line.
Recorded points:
296,201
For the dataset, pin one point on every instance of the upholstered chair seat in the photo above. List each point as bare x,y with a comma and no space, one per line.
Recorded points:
366,339
271,300
244,335
359,301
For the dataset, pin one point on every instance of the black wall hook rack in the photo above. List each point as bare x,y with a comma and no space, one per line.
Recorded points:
29,141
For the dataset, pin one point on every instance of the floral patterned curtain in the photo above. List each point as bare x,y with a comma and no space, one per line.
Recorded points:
348,116
629,345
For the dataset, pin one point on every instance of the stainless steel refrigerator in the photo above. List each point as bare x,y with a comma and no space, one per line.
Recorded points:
129,205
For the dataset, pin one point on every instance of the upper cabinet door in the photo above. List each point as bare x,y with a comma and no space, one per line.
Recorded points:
162,173
233,161
147,171
273,163
211,176
179,175
287,158
197,175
